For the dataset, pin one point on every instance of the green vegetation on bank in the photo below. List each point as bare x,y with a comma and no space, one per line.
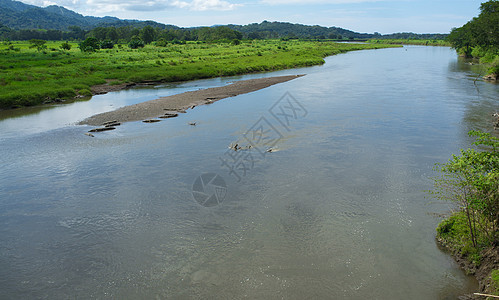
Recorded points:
471,180
479,38
422,42
34,75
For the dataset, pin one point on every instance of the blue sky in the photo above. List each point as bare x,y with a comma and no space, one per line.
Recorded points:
384,16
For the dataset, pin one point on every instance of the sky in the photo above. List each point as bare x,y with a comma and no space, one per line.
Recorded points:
366,16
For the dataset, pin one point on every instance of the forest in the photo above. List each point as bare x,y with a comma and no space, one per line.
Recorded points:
479,38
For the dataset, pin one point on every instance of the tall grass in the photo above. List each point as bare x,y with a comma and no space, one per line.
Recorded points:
31,77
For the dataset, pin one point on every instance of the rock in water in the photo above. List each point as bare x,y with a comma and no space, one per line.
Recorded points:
101,129
169,115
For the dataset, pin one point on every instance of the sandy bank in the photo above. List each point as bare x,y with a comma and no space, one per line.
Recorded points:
181,102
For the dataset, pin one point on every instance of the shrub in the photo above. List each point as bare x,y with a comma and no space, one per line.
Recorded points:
106,44
85,92
135,43
65,46
38,44
89,45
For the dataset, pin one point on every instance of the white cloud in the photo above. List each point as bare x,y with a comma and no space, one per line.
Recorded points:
302,2
112,6
204,5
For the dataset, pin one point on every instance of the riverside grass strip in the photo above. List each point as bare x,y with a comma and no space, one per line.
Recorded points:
31,77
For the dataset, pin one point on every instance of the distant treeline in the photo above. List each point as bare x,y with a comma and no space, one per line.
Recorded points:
122,34
272,30
264,30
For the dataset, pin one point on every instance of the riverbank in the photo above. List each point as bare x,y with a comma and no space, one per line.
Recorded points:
471,234
30,77
172,105
482,264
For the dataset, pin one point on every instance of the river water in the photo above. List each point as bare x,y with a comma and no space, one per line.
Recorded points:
338,211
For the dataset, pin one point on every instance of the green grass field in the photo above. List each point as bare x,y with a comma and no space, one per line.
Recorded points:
31,77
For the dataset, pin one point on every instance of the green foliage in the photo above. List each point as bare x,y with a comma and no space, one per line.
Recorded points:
454,232
147,34
480,36
66,46
85,92
136,43
38,44
28,77
106,44
494,276
471,180
90,44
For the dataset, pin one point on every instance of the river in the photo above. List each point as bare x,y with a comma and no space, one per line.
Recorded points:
336,210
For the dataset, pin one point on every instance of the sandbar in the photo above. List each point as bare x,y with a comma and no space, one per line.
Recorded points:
182,102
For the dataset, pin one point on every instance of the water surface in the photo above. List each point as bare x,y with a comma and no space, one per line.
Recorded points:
339,212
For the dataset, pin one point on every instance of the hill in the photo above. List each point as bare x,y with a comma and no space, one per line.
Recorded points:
17,15
267,30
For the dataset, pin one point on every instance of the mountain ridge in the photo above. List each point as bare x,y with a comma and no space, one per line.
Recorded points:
18,15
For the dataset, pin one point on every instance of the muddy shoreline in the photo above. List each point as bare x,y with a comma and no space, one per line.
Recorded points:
490,262
178,103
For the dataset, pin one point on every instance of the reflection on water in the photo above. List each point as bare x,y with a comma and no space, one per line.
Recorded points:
338,213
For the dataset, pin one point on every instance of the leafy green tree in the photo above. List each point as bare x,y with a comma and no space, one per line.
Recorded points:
38,44
106,44
136,42
482,31
471,179
90,44
112,34
147,34
100,33
66,46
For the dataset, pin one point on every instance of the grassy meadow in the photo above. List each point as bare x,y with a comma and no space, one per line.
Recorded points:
30,77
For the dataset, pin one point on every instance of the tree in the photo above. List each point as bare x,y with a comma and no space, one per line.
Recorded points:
471,179
112,34
106,44
90,44
66,46
148,34
38,44
99,33
136,42
481,31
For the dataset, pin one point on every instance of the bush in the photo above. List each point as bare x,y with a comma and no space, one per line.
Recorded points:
471,179
65,46
135,43
38,44
85,92
495,279
89,45
106,44
161,43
